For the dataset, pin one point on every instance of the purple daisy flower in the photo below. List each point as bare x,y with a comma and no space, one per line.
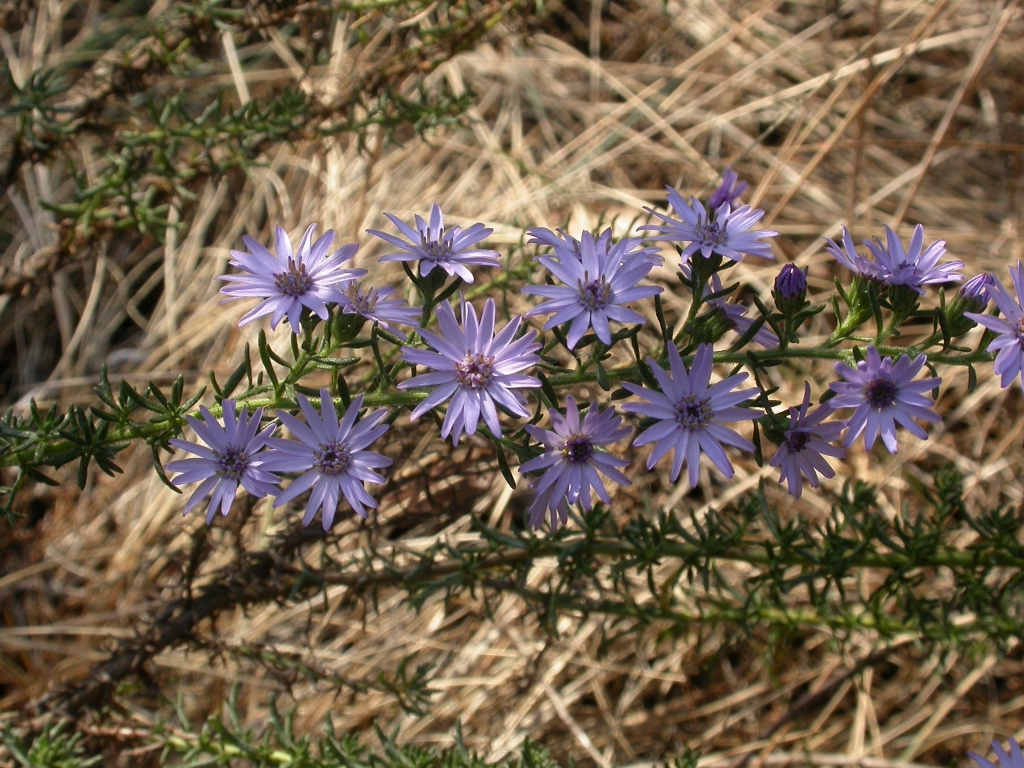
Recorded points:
477,369
914,266
292,279
331,455
808,442
848,257
1010,327
377,305
434,247
724,231
233,458
572,459
884,395
1013,759
690,413
596,286
728,191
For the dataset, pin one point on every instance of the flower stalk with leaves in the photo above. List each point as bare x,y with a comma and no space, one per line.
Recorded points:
476,377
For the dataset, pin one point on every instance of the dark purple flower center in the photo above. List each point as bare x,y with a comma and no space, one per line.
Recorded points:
578,449
436,250
797,441
881,393
596,294
332,458
709,232
475,371
693,412
294,281
233,463
362,304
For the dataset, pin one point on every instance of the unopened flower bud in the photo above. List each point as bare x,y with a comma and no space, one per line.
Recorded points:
790,289
791,282
973,296
976,292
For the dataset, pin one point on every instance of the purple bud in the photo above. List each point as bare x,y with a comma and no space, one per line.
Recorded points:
970,301
790,291
976,290
729,190
791,282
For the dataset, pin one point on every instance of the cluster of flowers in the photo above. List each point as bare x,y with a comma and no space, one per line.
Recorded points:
479,369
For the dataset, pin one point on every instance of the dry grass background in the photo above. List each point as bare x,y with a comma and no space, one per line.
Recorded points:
863,112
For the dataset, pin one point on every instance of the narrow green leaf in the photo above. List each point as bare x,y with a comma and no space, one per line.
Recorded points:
506,470
265,358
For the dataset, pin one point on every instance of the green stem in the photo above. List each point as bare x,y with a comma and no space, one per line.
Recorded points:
849,326
32,457
618,550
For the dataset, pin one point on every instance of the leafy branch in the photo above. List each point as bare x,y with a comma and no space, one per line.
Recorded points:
670,571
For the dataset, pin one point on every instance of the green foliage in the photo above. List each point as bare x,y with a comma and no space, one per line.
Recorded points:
145,167
801,573
228,741
164,125
672,573
54,439
55,746
410,688
668,571
218,742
